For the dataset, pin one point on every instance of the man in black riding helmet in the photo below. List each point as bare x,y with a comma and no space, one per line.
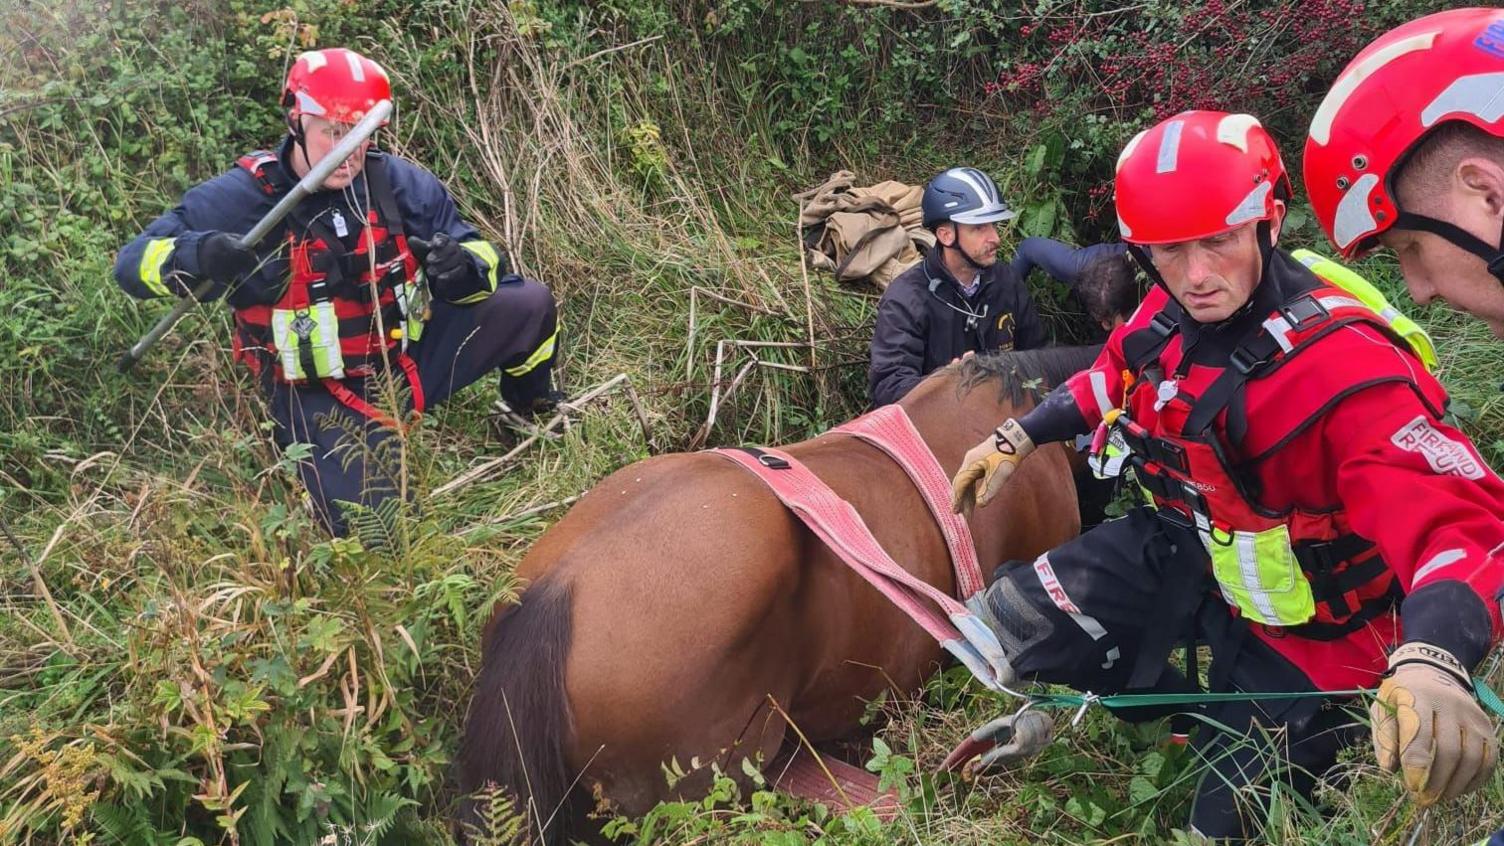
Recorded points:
959,299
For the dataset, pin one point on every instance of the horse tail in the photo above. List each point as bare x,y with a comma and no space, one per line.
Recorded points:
520,722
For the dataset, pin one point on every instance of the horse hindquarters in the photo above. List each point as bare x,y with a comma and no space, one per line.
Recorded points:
519,724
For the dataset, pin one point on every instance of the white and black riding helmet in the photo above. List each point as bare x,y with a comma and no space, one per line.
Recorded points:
963,195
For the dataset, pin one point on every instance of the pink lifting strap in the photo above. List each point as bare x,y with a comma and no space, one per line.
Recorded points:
841,528
890,430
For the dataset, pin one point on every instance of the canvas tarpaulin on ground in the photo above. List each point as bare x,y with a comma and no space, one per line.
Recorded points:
872,233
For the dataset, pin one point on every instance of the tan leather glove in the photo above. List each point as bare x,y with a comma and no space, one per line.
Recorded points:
988,465
1428,724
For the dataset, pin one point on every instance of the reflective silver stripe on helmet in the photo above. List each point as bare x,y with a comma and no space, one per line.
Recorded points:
1347,84
965,175
309,106
1353,219
357,72
1255,206
1169,147
990,206
1480,95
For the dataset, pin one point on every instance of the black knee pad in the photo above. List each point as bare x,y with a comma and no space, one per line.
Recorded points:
1020,624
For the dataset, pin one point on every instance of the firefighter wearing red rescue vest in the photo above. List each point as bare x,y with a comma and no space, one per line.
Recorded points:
373,277
1312,516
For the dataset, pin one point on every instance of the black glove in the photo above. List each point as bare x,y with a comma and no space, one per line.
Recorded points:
222,259
451,273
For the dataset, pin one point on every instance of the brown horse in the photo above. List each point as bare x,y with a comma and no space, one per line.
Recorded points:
679,612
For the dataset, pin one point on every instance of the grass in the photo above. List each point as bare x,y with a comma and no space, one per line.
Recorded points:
185,658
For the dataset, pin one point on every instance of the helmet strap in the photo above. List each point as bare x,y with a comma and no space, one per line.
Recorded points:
1492,256
1265,234
971,262
1146,264
299,136
975,265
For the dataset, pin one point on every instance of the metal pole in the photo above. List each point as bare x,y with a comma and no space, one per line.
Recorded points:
307,185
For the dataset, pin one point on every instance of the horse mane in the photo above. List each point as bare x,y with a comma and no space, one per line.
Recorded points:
1022,374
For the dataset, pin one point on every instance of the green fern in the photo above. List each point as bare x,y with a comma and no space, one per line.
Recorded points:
263,823
383,811
127,825
498,821
379,529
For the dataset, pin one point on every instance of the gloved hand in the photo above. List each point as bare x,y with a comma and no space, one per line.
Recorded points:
222,259
988,465
451,274
1428,724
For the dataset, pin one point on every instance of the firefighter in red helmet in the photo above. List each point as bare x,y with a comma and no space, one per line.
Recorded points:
373,278
1407,152
1269,414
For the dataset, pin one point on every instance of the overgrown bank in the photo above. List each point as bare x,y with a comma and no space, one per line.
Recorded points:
183,655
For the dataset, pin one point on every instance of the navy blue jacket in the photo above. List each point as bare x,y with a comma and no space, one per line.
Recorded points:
233,202
924,321
1061,261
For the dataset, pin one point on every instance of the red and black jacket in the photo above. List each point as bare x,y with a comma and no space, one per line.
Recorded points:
1345,437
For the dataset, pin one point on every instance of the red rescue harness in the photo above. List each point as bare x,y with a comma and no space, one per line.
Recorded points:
322,272
1185,465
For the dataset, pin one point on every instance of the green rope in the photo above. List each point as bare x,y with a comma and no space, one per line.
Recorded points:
1486,696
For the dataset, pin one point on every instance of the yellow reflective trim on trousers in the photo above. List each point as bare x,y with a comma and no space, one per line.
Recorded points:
1349,281
158,251
486,253
540,355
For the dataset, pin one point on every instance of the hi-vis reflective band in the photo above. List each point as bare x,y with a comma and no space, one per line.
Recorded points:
1344,278
1259,573
412,299
540,355
307,339
158,251
486,253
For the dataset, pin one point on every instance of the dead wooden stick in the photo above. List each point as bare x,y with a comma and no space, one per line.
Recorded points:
716,397
526,512
809,303
487,467
642,417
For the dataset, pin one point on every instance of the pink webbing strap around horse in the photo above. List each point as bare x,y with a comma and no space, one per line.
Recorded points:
841,528
890,430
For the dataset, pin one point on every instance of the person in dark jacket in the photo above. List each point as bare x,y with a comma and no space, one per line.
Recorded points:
1101,277
959,299
372,299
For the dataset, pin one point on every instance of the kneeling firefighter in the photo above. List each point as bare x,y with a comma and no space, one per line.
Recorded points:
373,279
1311,517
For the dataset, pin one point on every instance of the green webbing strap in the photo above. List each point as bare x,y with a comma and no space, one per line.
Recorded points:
1486,696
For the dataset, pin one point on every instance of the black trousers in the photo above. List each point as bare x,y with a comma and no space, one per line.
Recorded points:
355,460
1102,613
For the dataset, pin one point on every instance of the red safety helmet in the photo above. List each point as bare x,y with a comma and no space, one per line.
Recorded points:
1443,67
336,84
1197,174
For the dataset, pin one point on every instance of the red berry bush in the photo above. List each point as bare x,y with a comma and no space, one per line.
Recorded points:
1094,72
